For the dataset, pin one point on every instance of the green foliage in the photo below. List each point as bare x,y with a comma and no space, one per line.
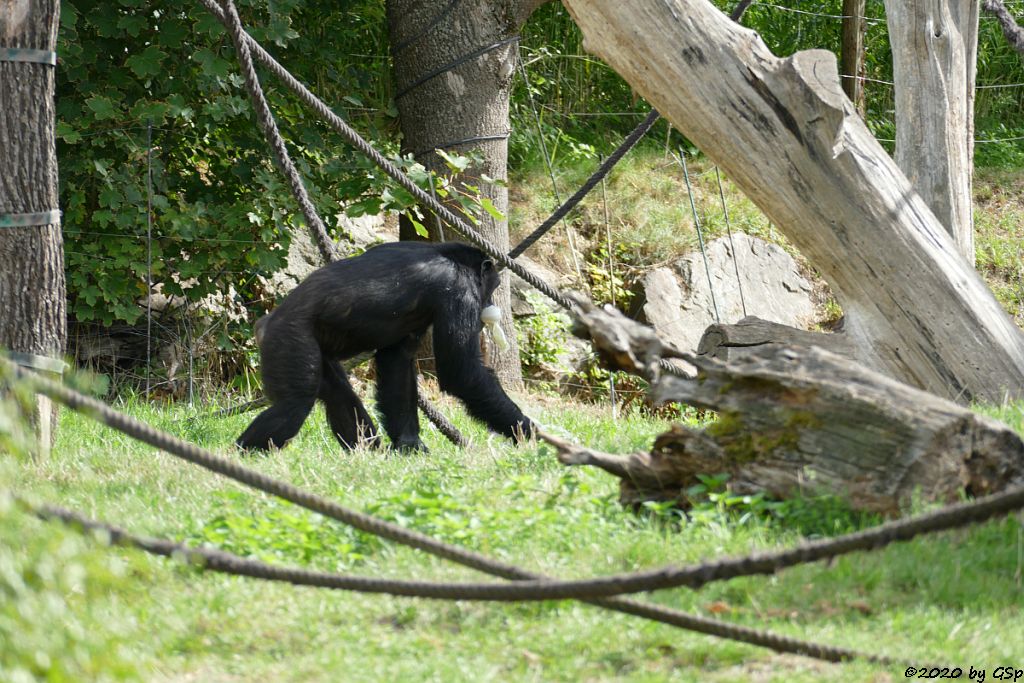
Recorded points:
541,336
221,213
278,532
60,621
810,516
610,281
930,599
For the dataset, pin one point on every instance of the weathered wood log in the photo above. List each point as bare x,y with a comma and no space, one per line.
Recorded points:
752,334
791,140
934,54
801,420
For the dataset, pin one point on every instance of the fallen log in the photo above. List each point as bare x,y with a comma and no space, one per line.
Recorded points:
800,420
728,342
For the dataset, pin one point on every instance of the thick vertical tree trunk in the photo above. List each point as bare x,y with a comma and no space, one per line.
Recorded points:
934,54
851,61
454,63
32,298
788,136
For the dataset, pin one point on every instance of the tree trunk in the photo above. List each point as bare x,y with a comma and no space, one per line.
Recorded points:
799,420
32,297
461,107
789,137
934,55
852,54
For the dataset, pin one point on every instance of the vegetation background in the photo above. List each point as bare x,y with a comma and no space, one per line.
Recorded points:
150,89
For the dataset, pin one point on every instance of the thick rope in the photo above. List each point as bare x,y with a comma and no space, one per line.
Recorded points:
265,118
538,588
100,412
443,424
602,171
1013,33
605,167
211,559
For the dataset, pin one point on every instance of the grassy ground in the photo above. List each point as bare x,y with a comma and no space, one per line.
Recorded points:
73,610
102,614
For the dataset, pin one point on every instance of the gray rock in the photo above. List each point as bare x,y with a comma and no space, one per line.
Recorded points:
520,304
680,304
304,256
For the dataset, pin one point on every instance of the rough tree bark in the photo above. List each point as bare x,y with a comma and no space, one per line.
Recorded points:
789,137
461,106
851,56
32,297
934,55
799,420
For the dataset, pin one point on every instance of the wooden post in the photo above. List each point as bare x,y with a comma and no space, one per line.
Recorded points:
934,56
788,136
852,53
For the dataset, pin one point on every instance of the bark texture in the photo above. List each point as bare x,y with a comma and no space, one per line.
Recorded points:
934,55
752,335
852,54
32,295
461,108
790,138
800,420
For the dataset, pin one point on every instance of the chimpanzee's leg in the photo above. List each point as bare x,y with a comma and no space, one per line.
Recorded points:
397,393
346,415
291,379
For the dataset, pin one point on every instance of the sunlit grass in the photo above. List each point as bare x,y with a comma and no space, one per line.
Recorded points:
953,598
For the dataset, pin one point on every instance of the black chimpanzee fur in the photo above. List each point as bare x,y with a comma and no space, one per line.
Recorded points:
383,300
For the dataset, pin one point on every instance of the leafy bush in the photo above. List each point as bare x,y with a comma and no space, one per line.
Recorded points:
541,336
58,622
153,90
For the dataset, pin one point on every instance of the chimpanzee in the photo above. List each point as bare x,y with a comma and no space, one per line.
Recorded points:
383,300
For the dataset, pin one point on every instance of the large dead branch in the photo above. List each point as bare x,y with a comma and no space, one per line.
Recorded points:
785,132
795,420
1013,33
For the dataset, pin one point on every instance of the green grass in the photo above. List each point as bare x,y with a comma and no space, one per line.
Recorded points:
650,215
96,612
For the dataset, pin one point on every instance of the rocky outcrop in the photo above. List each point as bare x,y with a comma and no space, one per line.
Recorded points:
680,301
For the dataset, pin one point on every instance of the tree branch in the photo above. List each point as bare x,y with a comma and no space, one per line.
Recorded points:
1014,33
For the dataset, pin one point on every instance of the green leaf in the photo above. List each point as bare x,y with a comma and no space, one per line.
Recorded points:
66,133
132,24
211,64
150,111
102,108
148,63
421,230
490,208
455,162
